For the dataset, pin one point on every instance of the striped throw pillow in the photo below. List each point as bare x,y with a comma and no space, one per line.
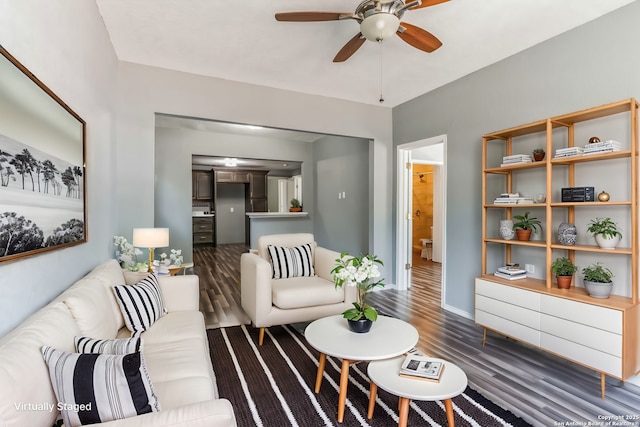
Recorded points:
94,388
141,304
115,346
291,262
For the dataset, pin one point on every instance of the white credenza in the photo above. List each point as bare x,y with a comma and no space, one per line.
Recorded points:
599,334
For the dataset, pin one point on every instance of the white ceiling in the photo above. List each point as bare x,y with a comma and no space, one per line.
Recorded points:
242,41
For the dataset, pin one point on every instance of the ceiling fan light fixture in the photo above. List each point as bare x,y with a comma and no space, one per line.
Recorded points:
379,26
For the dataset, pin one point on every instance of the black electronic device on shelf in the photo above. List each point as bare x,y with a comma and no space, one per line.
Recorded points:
578,194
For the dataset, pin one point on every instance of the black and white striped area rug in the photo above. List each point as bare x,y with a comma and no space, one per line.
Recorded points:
273,386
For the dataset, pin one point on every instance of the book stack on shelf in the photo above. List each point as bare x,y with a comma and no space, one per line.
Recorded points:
516,159
420,367
511,199
569,152
602,147
510,273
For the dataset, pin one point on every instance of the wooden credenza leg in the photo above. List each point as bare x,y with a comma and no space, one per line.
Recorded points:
603,383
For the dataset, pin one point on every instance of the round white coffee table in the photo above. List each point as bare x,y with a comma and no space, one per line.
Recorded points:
331,336
386,375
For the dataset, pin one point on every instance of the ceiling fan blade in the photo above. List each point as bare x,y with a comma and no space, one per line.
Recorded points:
350,48
419,38
310,16
427,3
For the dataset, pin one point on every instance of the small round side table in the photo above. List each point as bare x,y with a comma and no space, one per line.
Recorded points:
386,375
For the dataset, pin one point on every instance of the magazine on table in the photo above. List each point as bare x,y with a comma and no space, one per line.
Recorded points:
421,367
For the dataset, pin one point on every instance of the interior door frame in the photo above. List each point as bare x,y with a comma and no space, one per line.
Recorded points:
404,216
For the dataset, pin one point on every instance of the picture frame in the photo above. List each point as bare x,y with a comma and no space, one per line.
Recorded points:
42,166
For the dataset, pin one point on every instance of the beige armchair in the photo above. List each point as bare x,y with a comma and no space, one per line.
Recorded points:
269,301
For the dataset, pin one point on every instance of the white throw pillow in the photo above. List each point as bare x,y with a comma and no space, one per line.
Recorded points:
93,388
291,262
89,305
141,304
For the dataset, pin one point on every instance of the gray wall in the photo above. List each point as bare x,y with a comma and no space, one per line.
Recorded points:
342,165
591,65
74,58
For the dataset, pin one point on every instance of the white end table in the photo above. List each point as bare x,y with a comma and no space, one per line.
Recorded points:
331,336
386,375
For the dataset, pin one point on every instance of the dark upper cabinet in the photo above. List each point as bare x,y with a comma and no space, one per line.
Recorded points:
202,185
236,176
224,176
258,185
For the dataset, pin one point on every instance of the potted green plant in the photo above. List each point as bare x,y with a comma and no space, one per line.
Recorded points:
564,270
538,154
295,205
361,272
524,225
598,280
605,231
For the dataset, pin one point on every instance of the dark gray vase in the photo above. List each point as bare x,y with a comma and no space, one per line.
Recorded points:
361,326
567,234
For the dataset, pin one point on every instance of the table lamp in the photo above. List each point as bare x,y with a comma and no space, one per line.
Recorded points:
150,238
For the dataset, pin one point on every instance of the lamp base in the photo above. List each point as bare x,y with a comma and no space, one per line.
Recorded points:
150,270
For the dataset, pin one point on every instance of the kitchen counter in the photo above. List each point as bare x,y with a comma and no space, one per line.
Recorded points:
267,215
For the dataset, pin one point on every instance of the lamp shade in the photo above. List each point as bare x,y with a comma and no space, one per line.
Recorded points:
150,237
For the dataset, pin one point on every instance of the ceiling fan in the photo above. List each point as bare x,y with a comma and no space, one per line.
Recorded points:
379,20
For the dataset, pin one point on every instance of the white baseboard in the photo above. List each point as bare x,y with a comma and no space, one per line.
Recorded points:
457,311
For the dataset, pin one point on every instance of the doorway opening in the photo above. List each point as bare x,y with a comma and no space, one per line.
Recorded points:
431,152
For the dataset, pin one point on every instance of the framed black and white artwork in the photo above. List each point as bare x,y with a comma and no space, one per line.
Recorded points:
42,166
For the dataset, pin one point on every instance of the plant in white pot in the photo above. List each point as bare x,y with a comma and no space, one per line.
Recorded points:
606,232
598,280
564,270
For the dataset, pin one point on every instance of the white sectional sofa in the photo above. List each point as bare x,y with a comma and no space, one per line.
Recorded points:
175,348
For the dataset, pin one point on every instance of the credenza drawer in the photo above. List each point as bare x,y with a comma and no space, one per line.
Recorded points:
599,317
516,296
511,312
595,359
508,327
591,337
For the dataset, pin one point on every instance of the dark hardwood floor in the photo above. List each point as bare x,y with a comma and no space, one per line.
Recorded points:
543,389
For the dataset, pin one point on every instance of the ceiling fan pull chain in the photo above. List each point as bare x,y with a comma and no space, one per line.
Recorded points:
381,80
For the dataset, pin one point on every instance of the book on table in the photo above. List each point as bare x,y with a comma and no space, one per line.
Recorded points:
421,367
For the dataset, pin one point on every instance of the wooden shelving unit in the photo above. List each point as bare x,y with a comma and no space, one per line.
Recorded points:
544,331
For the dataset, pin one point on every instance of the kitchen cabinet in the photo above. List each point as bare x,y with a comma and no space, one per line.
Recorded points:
203,230
202,185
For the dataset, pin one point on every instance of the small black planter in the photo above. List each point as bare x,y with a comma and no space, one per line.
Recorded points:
360,326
